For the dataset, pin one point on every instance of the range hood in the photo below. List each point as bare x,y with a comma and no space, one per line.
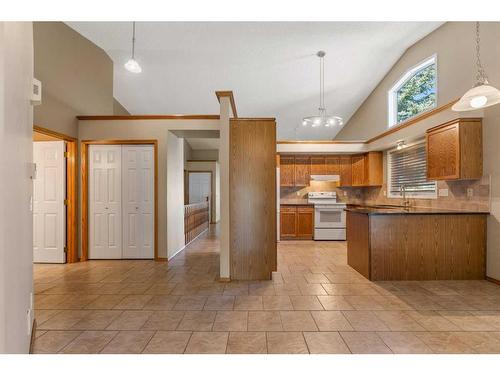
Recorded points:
325,177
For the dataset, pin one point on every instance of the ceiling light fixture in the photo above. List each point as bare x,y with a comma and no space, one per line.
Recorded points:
132,65
322,119
482,94
400,145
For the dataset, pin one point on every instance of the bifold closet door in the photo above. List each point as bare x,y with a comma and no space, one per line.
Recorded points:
105,203
49,193
138,201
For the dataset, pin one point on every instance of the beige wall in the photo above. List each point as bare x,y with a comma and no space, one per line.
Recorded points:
454,45
204,155
16,187
76,76
119,109
149,129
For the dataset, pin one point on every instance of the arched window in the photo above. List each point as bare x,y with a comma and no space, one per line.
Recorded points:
415,92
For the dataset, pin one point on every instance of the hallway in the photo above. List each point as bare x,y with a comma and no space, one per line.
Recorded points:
315,304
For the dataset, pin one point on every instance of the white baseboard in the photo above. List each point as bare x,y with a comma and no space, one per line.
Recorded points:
183,247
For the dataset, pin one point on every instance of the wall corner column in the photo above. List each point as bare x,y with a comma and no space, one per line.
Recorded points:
224,150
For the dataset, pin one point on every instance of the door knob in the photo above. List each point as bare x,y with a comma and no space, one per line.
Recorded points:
136,208
106,208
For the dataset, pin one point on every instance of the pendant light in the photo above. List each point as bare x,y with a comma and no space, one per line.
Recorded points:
322,119
482,94
132,65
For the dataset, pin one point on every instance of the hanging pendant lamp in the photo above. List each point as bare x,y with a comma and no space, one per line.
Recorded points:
132,65
322,119
482,95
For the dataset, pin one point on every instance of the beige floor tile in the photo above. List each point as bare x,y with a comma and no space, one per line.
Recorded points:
286,343
161,302
197,321
207,343
466,321
42,316
306,303
432,320
261,289
365,321
105,302
399,321
444,342
287,290
128,342
167,342
277,303
235,289
365,343
77,301
297,321
163,320
331,321
364,302
316,278
404,343
130,320
190,303
480,342
97,320
247,343
89,342
350,290
52,342
219,303
335,303
248,303
312,290
264,321
325,343
134,301
231,321
64,320
490,317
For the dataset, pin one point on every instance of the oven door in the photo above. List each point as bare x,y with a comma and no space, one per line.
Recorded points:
329,217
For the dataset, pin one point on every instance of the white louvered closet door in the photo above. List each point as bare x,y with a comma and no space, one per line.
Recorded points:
105,203
138,201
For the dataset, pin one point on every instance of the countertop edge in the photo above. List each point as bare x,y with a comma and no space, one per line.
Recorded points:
396,211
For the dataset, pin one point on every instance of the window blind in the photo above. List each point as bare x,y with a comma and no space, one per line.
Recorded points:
408,167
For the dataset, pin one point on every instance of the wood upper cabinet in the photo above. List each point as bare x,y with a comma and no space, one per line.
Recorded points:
367,169
455,150
345,170
318,165
302,170
297,222
332,164
287,170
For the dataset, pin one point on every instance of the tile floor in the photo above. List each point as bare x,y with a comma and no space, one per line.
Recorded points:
315,304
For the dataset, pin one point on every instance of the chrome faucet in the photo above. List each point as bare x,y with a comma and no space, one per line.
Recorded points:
406,202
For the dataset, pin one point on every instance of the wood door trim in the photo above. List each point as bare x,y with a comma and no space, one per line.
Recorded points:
228,94
71,190
148,117
85,193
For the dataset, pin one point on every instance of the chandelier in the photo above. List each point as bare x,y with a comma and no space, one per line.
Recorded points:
322,118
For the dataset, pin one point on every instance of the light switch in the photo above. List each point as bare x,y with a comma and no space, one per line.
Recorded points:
443,192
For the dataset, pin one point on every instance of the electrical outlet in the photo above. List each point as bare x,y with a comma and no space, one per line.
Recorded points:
443,192
470,192
345,193
385,193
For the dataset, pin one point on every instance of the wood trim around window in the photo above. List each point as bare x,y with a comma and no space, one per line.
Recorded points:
228,94
85,192
71,190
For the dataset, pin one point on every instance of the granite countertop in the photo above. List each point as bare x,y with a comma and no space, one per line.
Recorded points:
294,202
397,210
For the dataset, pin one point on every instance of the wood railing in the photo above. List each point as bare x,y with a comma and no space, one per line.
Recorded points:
196,218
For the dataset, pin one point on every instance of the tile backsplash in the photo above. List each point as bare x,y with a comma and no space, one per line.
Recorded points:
457,198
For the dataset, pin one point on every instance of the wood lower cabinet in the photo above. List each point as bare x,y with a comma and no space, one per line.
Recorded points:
454,150
297,222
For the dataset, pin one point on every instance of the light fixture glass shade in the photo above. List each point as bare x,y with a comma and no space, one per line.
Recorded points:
133,66
316,121
478,97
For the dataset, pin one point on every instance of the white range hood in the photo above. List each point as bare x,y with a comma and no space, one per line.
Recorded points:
325,177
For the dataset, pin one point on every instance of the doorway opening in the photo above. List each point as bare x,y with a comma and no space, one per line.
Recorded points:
54,197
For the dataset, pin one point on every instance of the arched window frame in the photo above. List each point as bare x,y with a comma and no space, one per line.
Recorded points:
392,93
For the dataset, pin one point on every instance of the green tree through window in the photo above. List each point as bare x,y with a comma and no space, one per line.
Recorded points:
417,94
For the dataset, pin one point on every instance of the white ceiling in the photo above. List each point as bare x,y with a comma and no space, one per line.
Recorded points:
203,143
271,67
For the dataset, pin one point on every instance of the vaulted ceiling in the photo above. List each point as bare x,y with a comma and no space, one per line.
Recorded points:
271,67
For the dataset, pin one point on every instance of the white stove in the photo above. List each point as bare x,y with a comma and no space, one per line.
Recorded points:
329,216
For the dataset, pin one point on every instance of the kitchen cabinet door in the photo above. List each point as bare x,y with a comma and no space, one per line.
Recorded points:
287,170
443,153
305,223
332,163
358,170
302,170
345,170
288,222
318,165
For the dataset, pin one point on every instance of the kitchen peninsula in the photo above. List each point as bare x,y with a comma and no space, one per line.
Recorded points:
394,243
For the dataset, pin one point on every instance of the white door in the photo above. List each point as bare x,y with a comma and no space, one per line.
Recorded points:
138,201
105,213
199,186
49,193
